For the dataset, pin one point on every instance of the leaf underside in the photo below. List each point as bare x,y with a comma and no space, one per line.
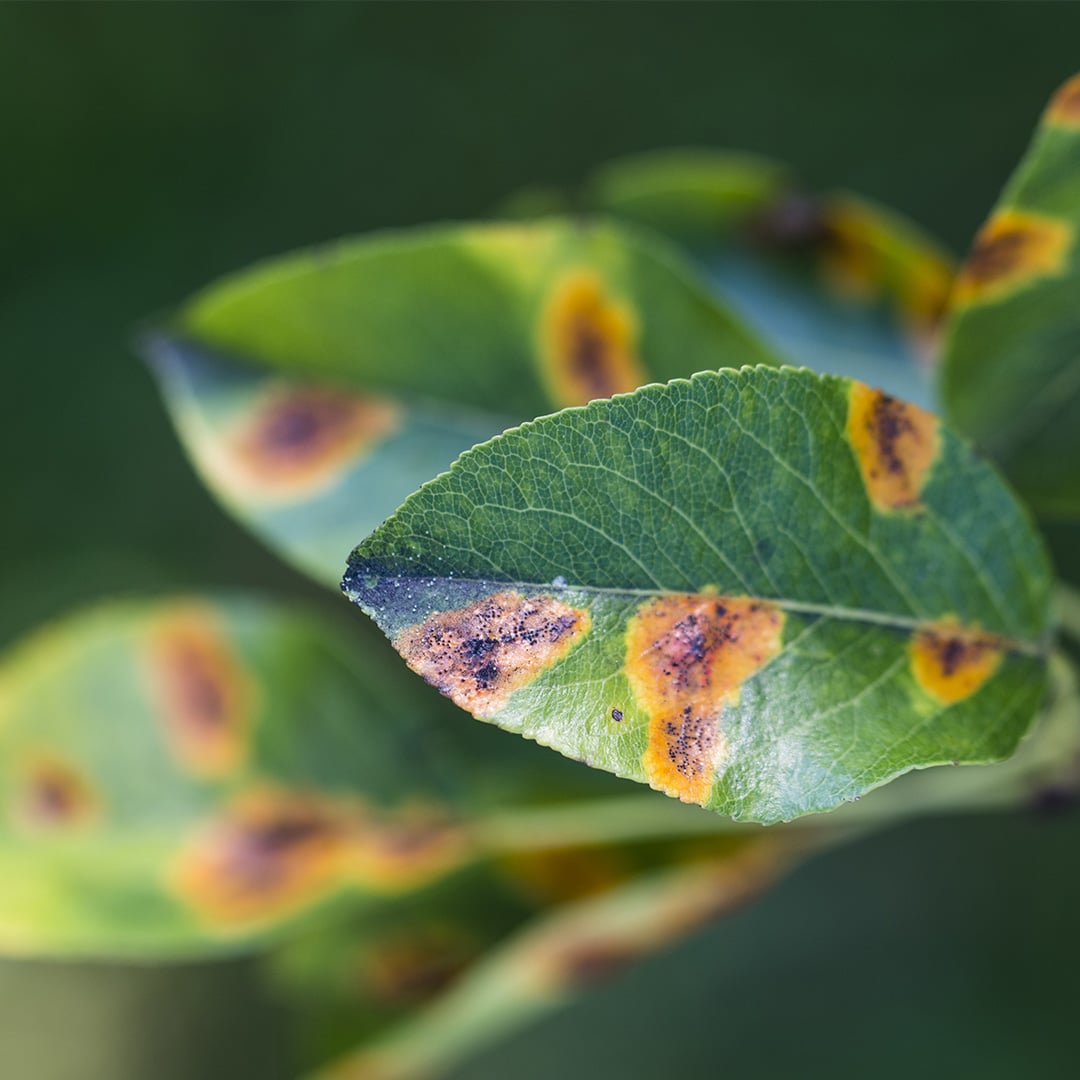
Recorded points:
763,591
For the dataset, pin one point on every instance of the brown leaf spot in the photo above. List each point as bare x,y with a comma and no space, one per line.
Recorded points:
1013,249
895,444
52,794
300,438
1064,107
951,662
480,654
588,342
686,657
409,969
271,853
205,695
274,851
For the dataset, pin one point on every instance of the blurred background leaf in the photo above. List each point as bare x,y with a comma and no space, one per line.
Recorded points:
156,147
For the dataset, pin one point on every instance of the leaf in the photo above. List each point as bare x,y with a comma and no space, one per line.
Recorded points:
561,955
763,591
1010,376
832,281
370,365
188,775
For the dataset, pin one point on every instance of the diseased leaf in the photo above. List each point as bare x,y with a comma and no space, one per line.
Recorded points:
763,591
564,953
832,281
187,775
368,366
1010,376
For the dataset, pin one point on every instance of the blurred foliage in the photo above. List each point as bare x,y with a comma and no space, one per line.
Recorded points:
159,146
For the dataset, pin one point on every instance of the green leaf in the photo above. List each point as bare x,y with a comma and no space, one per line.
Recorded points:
1011,368
564,953
830,280
764,591
370,365
188,775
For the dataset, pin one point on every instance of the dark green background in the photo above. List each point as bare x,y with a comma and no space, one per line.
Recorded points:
145,149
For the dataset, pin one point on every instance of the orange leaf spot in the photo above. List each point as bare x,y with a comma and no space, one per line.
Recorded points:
206,696
1064,107
480,654
686,658
951,662
53,794
588,342
300,438
1013,249
895,444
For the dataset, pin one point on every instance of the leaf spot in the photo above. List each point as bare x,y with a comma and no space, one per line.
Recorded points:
54,794
588,342
299,439
687,656
1064,107
951,662
895,443
1014,249
205,695
480,654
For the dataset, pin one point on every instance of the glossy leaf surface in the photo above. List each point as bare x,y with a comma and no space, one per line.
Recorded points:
762,591
1011,371
365,368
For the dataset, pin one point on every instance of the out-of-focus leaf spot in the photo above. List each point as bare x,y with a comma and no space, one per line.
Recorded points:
203,691
302,437
480,654
686,657
52,793
1014,249
274,851
1064,107
951,662
895,443
271,852
588,341
408,969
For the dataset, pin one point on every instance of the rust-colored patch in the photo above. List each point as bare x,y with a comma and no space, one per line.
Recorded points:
687,656
406,850
895,444
588,342
271,853
409,969
53,794
274,851
204,693
951,662
299,438
1064,107
480,654
1012,250
852,256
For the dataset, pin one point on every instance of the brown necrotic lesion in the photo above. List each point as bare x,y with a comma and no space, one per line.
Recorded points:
479,655
895,444
950,662
299,439
1014,249
588,341
687,656
274,851
203,692
52,793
